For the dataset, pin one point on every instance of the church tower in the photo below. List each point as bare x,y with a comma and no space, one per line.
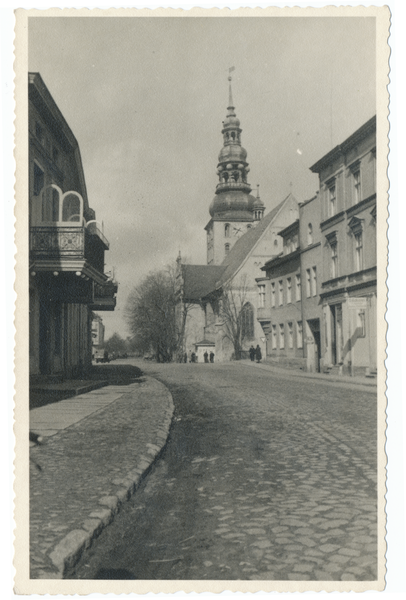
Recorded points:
233,210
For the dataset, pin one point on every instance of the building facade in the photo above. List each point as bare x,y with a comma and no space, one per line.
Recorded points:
348,293
310,274
67,245
281,316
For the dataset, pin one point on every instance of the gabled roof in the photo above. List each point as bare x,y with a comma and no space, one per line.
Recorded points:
200,280
247,242
40,96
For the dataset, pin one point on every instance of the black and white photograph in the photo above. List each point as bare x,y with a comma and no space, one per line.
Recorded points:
203,293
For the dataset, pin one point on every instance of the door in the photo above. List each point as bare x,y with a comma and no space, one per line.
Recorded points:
336,333
45,337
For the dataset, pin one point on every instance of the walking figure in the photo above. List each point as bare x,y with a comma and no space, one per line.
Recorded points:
206,357
252,353
258,353
212,357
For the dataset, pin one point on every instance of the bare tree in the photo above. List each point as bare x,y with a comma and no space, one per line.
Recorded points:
150,315
236,314
156,316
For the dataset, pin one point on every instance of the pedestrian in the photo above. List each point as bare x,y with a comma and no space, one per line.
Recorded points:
185,358
193,357
212,357
258,353
206,357
252,353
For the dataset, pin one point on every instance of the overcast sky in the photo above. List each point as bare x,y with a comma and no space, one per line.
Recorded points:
146,97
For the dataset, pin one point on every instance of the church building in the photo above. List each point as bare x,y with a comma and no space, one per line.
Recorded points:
222,296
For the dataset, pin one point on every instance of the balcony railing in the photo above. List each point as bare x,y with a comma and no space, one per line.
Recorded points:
68,248
232,185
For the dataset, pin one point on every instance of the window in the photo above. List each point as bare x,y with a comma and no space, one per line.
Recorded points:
332,200
50,205
281,336
314,281
334,260
226,249
289,290
308,284
39,132
281,292
356,181
309,234
55,154
38,179
227,230
290,335
71,208
247,322
261,293
358,251
274,336
361,323
299,334
273,294
298,287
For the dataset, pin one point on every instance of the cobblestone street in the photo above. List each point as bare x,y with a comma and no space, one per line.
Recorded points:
265,477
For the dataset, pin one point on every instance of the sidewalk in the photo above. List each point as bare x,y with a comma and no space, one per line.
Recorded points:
96,448
336,380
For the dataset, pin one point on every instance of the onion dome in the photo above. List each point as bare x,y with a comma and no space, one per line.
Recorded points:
233,197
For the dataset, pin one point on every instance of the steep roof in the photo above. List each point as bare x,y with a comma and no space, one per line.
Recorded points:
200,280
246,243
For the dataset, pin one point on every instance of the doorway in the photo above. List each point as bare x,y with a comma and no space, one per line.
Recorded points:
336,333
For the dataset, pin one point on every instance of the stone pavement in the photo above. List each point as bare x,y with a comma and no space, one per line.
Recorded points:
96,448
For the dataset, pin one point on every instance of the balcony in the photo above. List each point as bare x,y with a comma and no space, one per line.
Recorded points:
233,185
68,248
264,314
104,296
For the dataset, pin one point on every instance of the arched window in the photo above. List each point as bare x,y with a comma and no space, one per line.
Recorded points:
50,204
227,230
227,249
72,208
309,234
247,322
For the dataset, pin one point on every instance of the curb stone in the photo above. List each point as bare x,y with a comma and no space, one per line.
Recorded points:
69,550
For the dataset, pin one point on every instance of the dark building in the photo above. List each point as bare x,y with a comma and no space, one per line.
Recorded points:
67,245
